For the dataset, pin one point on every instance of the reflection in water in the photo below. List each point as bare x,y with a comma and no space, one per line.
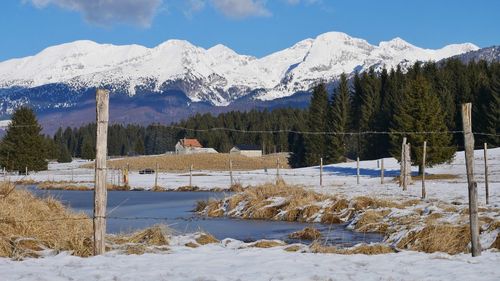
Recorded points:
129,210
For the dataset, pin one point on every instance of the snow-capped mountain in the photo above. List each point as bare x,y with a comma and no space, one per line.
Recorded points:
217,76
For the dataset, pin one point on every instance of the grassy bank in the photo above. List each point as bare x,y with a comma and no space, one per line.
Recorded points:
427,226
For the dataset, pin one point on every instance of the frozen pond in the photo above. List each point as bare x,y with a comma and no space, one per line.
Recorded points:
131,210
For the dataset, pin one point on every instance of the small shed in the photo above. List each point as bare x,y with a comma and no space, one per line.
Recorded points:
246,150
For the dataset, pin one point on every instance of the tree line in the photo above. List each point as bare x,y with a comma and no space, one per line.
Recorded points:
364,116
424,98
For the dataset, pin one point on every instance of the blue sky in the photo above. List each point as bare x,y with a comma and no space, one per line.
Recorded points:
253,27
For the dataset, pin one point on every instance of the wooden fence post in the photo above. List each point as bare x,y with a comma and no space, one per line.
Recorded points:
191,175
321,172
156,176
424,194
100,191
402,168
382,171
278,169
357,170
486,173
472,184
231,172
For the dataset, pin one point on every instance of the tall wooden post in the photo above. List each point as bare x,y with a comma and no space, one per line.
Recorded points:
486,173
382,171
424,194
321,173
278,169
191,175
357,170
156,176
469,164
402,169
100,192
231,171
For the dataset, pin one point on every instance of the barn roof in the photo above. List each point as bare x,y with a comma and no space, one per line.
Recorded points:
190,143
247,147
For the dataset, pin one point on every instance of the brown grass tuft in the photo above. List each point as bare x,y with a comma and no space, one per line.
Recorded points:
267,244
29,224
204,239
154,236
372,221
365,249
308,233
450,239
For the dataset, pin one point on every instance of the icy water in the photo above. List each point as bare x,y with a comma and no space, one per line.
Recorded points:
132,210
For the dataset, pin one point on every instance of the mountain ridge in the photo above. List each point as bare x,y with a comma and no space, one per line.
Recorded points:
217,75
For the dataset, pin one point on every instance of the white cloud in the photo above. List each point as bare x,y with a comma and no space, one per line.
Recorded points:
239,9
106,12
193,6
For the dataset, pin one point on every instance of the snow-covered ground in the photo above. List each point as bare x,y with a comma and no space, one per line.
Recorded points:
218,262
230,260
337,178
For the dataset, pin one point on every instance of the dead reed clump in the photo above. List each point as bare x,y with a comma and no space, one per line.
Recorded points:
293,248
364,202
114,187
446,238
237,187
188,188
267,244
308,233
214,208
372,221
204,239
62,186
365,249
30,224
330,218
496,243
158,188
153,236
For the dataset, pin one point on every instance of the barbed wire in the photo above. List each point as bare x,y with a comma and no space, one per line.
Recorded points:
282,131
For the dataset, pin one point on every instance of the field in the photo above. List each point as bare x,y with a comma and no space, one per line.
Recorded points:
213,162
424,239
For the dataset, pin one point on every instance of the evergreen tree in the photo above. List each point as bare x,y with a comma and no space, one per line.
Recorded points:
420,111
338,122
88,148
316,122
64,155
22,144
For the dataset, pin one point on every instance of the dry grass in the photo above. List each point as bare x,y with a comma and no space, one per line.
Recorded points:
154,236
372,221
450,239
213,162
267,244
308,233
30,224
204,239
365,249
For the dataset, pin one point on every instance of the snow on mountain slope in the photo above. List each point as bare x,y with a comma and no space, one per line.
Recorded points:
217,75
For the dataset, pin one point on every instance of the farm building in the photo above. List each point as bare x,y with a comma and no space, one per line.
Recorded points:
191,146
247,150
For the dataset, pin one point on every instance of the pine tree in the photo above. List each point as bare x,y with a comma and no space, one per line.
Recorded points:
88,148
315,143
420,111
338,122
64,155
22,144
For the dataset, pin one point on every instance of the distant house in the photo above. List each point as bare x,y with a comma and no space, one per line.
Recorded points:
191,146
246,150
